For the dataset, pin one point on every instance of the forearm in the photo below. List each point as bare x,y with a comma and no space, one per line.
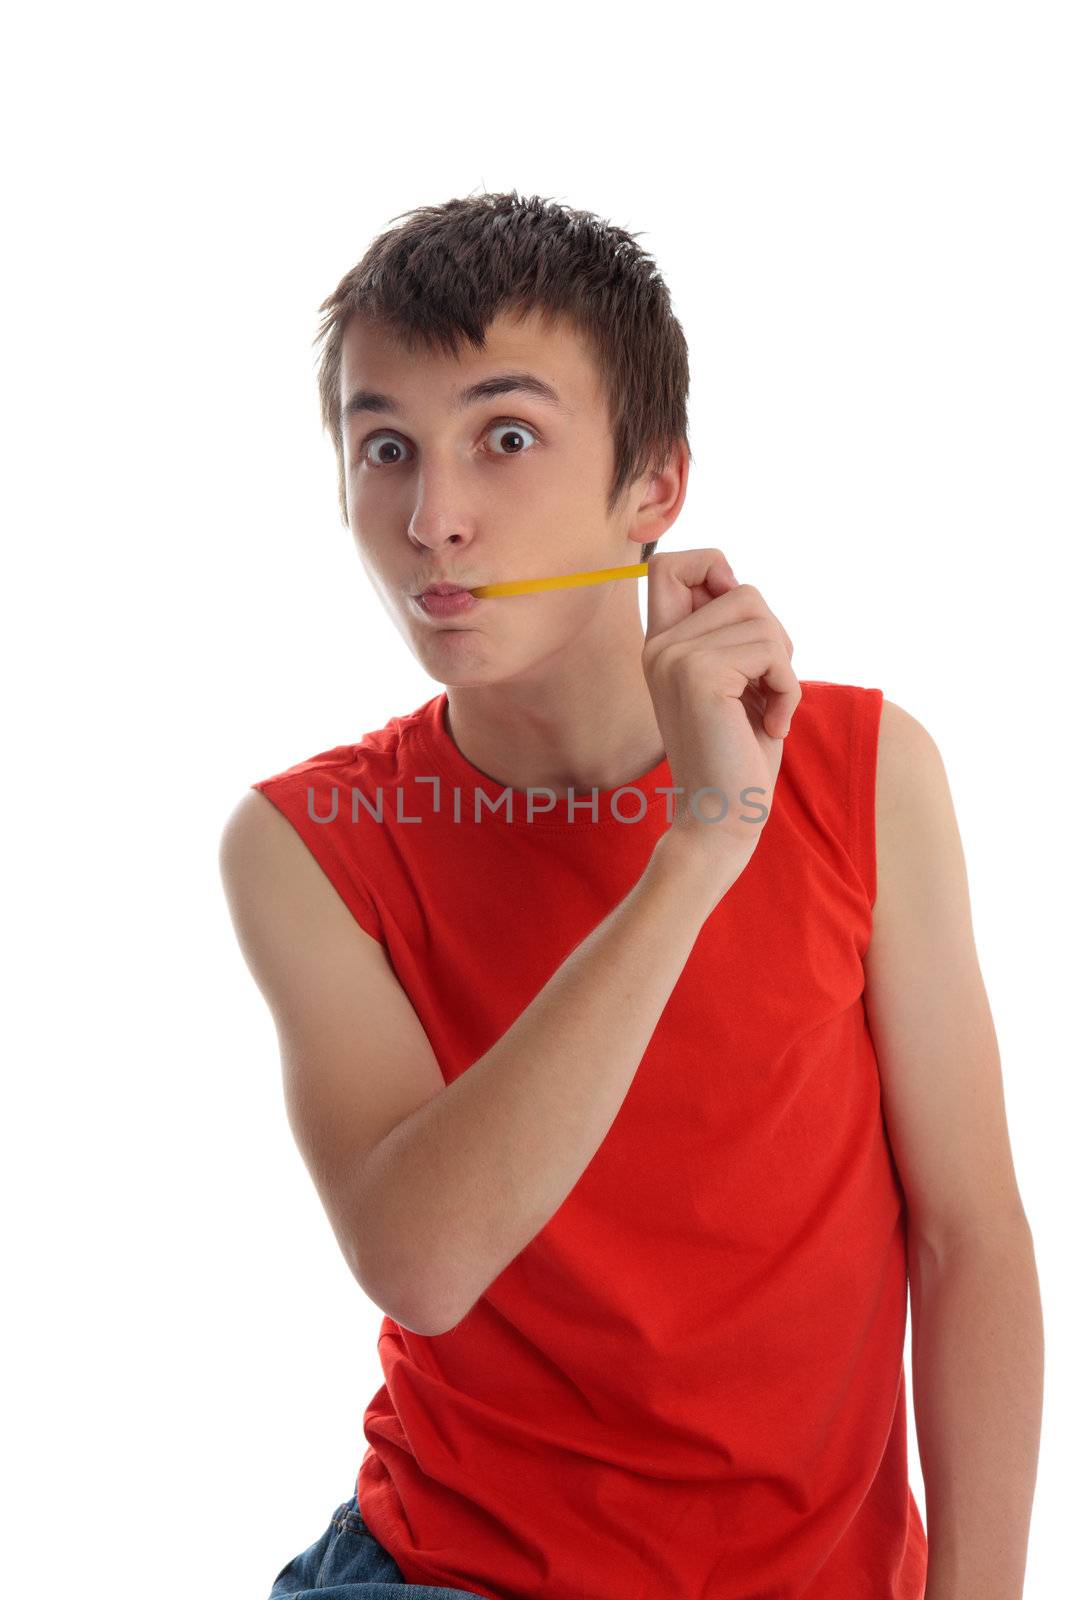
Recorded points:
455,1191
977,1376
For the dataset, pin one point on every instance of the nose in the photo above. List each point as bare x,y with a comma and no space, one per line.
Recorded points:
438,521
437,539
448,506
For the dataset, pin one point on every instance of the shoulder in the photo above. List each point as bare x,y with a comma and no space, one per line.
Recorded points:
834,708
902,734
258,846
290,831
912,801
882,769
833,735
918,846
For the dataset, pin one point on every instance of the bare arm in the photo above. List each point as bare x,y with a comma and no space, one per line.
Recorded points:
977,1344
432,1190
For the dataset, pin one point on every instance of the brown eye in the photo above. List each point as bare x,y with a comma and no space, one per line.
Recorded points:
511,431
390,442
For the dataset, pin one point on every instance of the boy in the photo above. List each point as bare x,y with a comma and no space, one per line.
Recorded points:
631,1022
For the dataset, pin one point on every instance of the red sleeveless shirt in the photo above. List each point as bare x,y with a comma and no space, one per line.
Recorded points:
689,1385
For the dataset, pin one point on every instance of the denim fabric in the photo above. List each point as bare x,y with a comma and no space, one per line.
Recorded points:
348,1563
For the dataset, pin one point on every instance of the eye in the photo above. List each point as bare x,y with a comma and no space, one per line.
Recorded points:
508,426
511,428
381,438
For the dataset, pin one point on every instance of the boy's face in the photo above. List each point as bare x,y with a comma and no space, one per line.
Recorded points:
506,487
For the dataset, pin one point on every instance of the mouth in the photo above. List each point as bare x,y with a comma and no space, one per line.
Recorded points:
443,600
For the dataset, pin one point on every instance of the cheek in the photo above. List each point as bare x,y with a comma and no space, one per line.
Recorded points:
555,618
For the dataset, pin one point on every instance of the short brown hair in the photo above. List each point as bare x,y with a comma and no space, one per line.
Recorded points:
450,269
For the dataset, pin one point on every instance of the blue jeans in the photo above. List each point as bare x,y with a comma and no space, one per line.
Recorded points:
348,1563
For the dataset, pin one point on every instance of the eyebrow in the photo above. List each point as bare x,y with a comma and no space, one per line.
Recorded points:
486,389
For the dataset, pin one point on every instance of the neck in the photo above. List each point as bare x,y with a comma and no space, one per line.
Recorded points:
582,720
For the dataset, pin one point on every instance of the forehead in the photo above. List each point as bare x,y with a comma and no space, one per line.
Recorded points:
552,348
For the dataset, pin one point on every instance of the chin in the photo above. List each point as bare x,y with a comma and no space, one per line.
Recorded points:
458,656
460,673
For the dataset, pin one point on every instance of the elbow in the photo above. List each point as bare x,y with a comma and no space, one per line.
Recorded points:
399,1290
431,1328
420,1313
932,1247
413,1313
403,1273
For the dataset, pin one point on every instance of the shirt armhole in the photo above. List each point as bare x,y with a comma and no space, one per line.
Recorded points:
863,767
320,837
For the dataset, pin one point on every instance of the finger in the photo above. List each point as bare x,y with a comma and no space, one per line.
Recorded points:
765,665
784,694
681,581
732,606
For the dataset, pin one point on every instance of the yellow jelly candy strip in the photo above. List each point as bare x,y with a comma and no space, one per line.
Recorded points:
570,580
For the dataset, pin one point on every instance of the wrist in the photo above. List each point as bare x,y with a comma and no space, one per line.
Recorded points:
701,853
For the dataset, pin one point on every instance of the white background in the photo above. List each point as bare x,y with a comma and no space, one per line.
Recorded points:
860,213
